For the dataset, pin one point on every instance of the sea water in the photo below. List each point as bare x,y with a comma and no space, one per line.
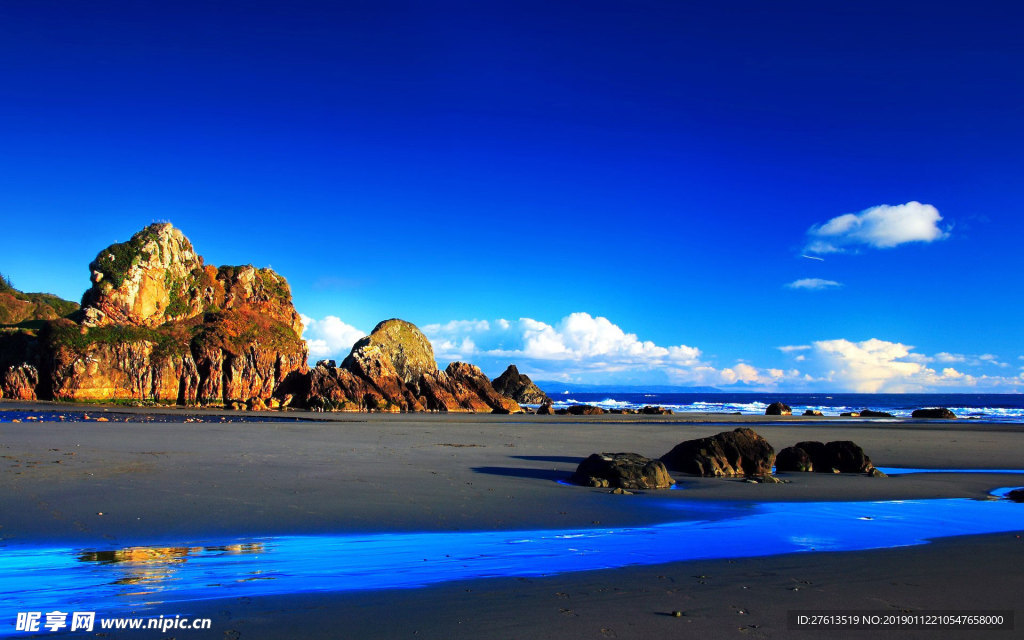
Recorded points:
141,579
990,407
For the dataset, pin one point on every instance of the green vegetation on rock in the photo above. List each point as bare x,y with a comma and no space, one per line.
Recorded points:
116,261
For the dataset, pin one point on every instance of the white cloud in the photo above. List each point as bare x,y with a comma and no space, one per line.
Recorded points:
329,338
972,360
793,347
813,284
992,359
881,227
585,348
870,366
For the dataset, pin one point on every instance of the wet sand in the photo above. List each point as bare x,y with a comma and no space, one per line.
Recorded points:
178,483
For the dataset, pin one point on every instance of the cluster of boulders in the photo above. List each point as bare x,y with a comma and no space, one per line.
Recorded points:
547,409
738,453
782,409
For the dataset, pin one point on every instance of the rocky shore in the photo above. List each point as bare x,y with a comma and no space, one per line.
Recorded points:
159,325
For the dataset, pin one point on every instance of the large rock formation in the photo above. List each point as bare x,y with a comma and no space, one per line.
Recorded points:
406,348
519,387
159,325
623,471
393,369
731,453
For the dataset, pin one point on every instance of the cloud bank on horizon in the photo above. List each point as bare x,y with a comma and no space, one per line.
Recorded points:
588,349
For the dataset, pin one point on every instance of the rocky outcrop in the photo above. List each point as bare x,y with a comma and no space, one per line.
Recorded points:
741,452
402,343
939,413
393,369
622,471
154,277
840,456
19,382
1017,495
655,411
19,364
813,413
778,409
546,409
159,325
472,378
868,413
584,410
519,387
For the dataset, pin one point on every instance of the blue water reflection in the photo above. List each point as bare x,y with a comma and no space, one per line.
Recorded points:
899,471
42,579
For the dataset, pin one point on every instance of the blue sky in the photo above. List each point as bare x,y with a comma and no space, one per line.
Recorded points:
790,195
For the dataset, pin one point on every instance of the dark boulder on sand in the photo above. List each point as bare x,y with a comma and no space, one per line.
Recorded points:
655,411
778,409
741,452
623,471
584,410
868,413
1017,495
793,459
811,412
940,413
545,410
839,456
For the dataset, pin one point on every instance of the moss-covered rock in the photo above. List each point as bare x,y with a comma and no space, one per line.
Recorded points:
402,343
159,325
154,277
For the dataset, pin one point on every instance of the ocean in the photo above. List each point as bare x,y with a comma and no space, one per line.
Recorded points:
991,407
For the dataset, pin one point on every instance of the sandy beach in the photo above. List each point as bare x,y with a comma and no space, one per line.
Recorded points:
105,486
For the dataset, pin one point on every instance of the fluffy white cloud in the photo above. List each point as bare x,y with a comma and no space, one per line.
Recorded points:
813,284
881,227
329,337
870,366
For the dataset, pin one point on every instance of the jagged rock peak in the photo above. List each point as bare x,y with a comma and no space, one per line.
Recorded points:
145,281
519,387
157,277
409,351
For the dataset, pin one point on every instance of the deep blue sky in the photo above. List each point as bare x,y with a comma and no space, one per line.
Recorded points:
655,164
